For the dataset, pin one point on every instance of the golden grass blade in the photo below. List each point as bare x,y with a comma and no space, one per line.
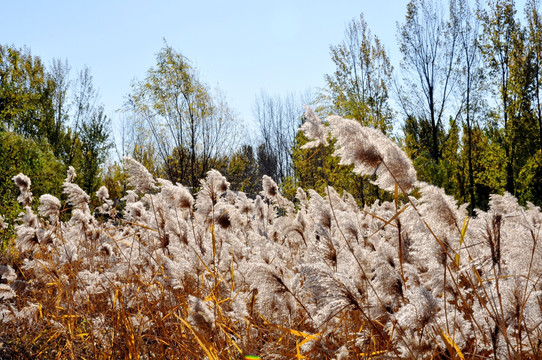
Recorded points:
213,238
451,345
299,356
207,350
373,354
464,229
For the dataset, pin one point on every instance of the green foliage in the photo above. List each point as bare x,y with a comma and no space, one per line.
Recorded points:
418,137
443,172
242,171
529,180
95,143
184,127
27,97
115,181
358,89
21,89
288,188
36,160
34,111
484,149
507,57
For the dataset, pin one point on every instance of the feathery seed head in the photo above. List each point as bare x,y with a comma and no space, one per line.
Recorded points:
70,175
50,207
138,176
370,151
76,196
270,188
23,182
314,130
102,194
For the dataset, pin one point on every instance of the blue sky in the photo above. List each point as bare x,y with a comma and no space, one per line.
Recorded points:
241,47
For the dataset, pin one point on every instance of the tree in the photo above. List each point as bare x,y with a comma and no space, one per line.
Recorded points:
188,127
36,160
534,42
95,144
267,162
530,177
25,94
471,86
35,136
278,119
428,43
503,46
317,168
88,140
358,88
242,171
84,98
59,76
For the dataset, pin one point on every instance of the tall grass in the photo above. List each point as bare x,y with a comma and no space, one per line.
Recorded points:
222,276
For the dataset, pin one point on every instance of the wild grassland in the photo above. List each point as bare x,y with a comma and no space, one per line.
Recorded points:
222,276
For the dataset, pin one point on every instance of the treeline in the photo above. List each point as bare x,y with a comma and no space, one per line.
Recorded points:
465,105
471,97
467,98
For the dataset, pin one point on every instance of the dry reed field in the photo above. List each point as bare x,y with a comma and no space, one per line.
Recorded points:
218,275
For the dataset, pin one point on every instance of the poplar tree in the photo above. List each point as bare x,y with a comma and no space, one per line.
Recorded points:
358,88
429,45
471,87
507,57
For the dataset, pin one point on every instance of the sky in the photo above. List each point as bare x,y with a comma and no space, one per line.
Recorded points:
241,47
